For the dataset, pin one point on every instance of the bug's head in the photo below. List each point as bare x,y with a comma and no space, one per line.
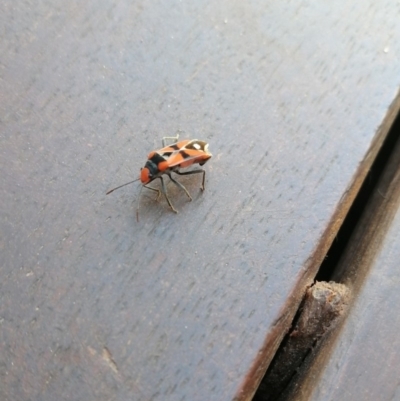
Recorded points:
149,172
154,166
145,175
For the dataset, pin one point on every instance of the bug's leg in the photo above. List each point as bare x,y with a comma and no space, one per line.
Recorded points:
138,200
138,204
174,138
164,191
195,172
154,189
180,186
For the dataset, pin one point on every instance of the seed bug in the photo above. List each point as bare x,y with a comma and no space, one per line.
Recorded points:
171,159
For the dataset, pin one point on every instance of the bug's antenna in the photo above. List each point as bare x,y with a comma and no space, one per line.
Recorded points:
112,190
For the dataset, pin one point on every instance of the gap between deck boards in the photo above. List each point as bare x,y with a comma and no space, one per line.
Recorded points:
328,268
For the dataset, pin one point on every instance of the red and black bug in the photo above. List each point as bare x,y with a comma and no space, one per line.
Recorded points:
170,159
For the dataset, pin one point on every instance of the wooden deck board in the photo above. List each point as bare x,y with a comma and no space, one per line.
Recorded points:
362,359
294,101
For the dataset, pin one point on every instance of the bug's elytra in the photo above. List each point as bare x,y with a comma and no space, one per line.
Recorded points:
170,159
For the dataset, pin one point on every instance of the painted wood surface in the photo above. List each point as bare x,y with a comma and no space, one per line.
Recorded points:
362,360
294,99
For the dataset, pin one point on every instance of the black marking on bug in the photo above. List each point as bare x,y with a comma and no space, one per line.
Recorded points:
152,167
157,159
184,154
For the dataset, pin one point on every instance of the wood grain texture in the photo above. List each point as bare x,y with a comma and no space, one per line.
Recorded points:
362,360
294,99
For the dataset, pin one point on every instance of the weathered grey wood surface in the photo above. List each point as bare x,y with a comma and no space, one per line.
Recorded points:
362,360
294,99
